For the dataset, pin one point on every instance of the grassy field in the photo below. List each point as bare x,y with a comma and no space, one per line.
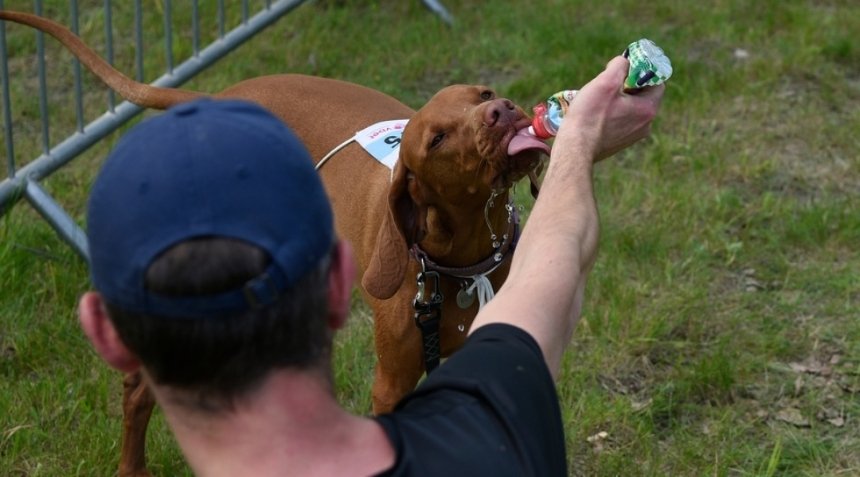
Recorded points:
720,335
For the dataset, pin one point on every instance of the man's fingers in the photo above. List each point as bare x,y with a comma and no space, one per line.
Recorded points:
652,91
617,69
654,96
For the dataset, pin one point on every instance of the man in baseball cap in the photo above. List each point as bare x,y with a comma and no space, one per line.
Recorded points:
213,253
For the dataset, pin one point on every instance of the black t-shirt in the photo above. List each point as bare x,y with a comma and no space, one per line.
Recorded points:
491,409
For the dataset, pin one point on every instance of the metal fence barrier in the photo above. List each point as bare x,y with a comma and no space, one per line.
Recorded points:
24,183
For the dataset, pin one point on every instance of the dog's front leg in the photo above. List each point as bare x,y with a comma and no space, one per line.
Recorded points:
400,362
137,405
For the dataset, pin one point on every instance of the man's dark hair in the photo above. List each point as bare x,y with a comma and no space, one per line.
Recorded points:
219,358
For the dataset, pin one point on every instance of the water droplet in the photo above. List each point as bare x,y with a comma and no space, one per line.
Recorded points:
461,327
496,244
498,256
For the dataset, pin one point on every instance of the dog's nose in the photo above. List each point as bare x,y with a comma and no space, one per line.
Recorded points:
499,110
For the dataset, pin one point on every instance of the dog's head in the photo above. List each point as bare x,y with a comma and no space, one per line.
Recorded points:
464,140
462,145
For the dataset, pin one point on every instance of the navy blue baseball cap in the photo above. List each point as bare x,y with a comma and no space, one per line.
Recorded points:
207,168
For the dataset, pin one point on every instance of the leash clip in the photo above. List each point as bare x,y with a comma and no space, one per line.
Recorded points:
428,314
421,301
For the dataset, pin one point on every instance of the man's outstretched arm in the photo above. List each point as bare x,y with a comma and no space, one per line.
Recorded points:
544,290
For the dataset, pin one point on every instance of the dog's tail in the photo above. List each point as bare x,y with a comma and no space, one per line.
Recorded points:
138,93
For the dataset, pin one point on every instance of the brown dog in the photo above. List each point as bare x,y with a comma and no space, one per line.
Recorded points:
443,209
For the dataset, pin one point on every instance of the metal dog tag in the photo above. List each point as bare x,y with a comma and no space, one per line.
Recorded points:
465,298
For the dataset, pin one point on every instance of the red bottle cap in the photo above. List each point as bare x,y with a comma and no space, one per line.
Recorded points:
537,122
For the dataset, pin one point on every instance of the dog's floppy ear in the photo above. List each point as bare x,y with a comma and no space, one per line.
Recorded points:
404,224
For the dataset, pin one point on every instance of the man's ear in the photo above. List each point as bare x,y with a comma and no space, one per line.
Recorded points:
98,327
341,280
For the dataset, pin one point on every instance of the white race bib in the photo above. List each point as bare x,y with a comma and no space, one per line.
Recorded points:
382,140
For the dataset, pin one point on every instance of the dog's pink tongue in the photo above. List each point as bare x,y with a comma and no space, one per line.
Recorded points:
524,140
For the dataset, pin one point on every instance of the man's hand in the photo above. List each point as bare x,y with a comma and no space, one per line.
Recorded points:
603,120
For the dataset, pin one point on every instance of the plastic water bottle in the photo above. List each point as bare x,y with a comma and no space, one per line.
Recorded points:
649,66
549,114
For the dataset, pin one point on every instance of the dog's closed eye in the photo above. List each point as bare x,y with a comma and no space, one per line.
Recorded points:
436,140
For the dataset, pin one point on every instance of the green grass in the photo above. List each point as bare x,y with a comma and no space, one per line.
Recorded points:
726,292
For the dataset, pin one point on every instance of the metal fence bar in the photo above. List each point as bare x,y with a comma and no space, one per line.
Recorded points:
436,7
138,40
220,19
79,95
195,29
168,36
65,226
18,183
109,50
7,106
43,87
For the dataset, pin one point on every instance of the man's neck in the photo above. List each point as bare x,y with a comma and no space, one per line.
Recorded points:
290,425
